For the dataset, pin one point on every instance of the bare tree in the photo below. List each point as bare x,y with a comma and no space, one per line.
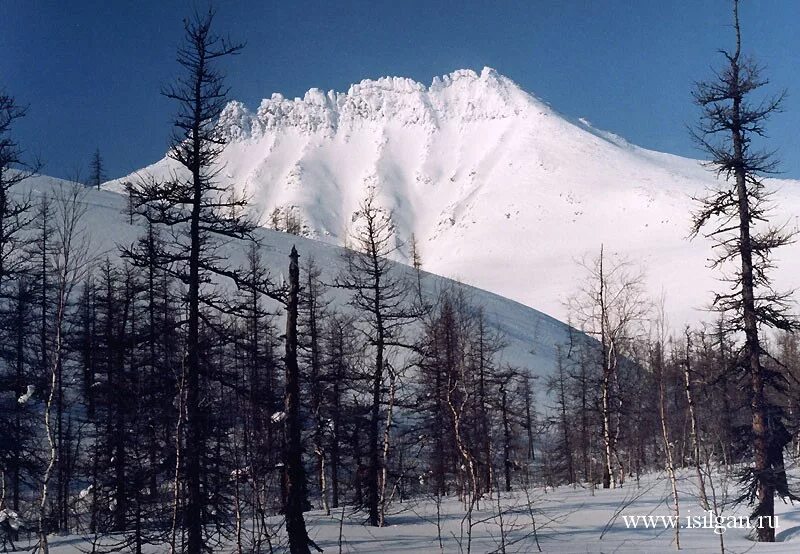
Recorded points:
384,301
97,172
199,213
69,262
557,386
294,472
608,307
658,366
340,345
737,213
695,427
15,217
312,316
15,209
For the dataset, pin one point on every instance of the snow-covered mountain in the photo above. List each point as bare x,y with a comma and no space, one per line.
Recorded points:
499,190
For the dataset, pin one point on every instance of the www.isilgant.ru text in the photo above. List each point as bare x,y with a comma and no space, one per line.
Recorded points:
708,520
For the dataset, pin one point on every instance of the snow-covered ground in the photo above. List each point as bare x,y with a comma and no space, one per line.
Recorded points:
567,520
564,520
500,190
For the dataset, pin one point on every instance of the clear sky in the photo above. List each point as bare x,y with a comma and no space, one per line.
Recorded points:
91,70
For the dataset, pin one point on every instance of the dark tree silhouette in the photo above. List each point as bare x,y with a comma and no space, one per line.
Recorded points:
198,212
385,305
97,172
15,217
294,473
737,214
15,210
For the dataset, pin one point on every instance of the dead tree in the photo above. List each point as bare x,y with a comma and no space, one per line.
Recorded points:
294,473
15,211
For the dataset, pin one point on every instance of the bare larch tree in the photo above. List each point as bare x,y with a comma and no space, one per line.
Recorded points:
97,173
384,302
198,212
737,214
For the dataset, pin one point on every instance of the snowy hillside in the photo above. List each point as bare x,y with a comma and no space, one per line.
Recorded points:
499,189
531,335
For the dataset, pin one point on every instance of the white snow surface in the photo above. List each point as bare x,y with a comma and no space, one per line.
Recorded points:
500,190
568,520
27,396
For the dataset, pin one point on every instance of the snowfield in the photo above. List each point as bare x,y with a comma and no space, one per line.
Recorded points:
499,190
566,520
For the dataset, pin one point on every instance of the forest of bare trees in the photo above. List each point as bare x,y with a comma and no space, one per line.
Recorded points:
160,396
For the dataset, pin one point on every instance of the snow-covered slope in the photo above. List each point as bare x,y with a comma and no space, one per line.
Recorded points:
499,189
531,336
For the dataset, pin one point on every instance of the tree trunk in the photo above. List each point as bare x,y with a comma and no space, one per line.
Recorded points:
506,439
761,466
294,473
373,454
195,500
662,411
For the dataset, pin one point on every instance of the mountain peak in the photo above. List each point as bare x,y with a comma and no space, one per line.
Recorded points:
496,187
469,75
463,94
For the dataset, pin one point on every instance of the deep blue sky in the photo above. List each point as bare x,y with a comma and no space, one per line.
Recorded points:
91,71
